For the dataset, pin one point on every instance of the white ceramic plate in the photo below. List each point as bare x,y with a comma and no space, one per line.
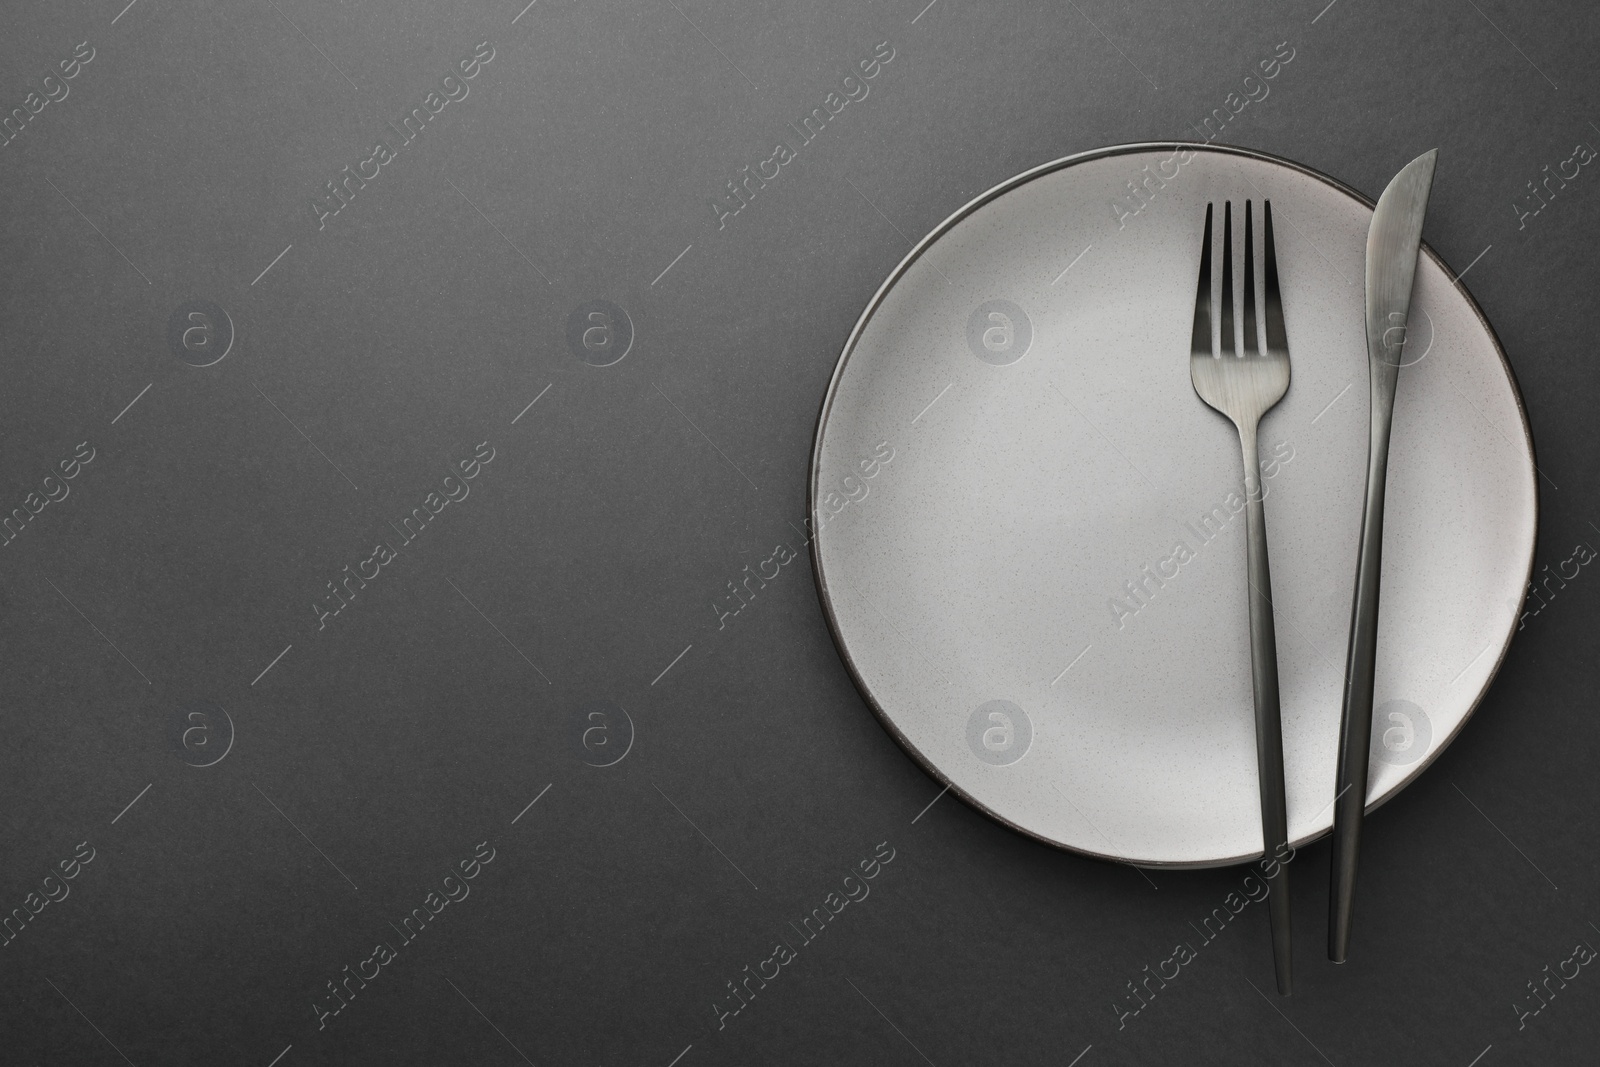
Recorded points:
1011,438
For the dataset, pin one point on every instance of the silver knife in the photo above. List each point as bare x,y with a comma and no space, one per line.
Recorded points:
1392,245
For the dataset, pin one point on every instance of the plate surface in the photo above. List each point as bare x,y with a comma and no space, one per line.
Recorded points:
1028,538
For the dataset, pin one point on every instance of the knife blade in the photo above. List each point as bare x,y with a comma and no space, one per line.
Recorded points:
1392,246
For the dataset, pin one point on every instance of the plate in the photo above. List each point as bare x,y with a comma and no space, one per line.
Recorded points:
1028,536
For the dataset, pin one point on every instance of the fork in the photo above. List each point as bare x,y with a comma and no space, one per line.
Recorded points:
1243,384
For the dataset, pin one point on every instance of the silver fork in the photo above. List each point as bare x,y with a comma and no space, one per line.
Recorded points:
1244,384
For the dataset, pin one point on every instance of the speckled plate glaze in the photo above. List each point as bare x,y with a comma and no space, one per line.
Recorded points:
1027,544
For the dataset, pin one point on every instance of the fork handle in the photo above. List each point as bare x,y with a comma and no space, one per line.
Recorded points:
1359,673
1269,722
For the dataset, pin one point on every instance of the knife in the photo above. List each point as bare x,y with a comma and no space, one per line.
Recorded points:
1392,245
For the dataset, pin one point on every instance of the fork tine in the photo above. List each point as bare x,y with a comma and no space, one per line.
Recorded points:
1200,344
1277,339
1251,343
1229,344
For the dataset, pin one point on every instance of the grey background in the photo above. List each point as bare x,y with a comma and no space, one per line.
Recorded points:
376,753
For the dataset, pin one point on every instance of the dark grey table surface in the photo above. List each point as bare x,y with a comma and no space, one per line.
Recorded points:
221,796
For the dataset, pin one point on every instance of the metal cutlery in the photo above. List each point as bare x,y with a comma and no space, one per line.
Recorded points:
1243,382
1392,245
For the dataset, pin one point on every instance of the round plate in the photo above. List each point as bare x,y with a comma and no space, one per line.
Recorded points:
1029,541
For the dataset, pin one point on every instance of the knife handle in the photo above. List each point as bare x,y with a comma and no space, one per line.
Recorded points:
1350,797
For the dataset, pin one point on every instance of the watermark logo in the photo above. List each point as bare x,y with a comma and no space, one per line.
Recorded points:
54,490
1401,733
1402,338
1254,889
602,732
1540,591
999,332
52,889
1147,185
750,982
1542,190
1541,989
349,983
340,191
999,732
454,488
853,488
1138,592
599,333
202,732
200,333
853,87
17,119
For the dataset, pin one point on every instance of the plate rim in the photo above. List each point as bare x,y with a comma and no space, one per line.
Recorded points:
813,477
